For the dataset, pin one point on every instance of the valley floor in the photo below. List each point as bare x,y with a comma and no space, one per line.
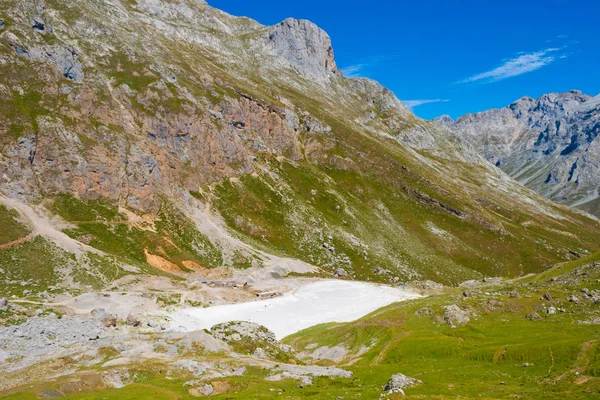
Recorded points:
529,338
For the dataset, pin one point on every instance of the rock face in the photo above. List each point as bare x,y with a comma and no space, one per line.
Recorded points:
306,47
549,144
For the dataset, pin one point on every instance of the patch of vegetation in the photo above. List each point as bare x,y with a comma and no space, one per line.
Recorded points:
33,266
11,228
174,236
127,71
78,210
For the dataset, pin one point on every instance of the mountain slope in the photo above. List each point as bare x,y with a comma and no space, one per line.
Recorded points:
167,137
549,144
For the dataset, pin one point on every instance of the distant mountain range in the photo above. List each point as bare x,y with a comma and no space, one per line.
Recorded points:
549,144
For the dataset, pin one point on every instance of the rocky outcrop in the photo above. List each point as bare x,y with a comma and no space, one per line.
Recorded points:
65,59
399,382
549,144
306,47
454,315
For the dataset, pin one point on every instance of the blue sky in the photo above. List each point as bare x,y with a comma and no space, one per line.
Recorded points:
454,57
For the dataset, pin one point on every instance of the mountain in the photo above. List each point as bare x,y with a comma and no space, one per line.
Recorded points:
172,134
162,156
549,144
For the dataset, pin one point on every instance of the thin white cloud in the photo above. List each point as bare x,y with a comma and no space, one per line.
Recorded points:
361,69
417,103
522,64
354,71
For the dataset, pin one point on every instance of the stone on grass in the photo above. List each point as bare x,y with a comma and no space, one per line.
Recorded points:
398,382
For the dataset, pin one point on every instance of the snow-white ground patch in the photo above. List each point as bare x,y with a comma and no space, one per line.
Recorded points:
312,304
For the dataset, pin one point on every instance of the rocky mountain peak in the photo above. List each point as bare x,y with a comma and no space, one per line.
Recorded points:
444,120
549,143
305,46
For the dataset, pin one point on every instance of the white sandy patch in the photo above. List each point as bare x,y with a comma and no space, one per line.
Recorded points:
310,305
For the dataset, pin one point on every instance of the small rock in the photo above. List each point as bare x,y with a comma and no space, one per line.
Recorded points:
381,271
573,299
514,295
260,353
533,316
424,311
206,390
399,382
340,273
38,25
547,296
470,283
133,320
4,304
551,311
527,365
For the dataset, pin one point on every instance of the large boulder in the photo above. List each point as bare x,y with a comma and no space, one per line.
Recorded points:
251,338
398,382
454,315
340,273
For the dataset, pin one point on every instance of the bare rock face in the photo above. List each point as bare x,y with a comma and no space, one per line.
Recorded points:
306,47
549,144
64,58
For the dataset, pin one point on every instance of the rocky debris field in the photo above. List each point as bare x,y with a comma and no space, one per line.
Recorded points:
100,340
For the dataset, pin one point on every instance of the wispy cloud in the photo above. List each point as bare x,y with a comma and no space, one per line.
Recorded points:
417,103
519,65
362,68
354,71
